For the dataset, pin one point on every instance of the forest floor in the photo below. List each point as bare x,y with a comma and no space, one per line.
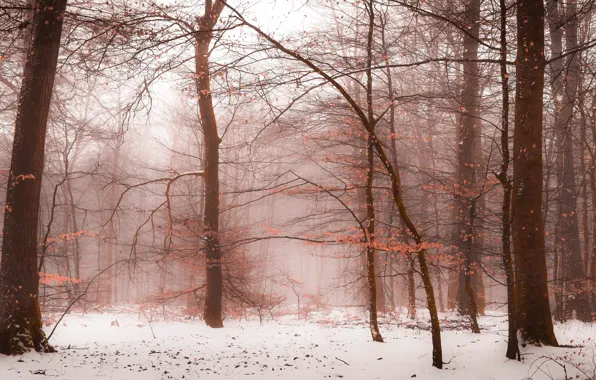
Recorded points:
334,344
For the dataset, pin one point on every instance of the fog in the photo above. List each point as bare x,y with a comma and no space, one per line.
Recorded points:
424,166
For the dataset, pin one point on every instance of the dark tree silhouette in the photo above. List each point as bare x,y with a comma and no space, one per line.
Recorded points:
213,299
533,309
20,317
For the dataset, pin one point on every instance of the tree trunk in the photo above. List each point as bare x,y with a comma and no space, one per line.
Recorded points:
512,343
583,141
467,166
371,274
20,316
411,293
76,246
106,280
573,271
593,188
533,317
370,207
214,289
393,146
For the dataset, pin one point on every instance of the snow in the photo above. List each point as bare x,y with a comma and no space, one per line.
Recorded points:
329,345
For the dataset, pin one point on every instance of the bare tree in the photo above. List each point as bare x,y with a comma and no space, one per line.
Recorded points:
20,317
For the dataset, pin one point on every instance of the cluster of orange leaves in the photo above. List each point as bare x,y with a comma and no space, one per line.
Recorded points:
55,279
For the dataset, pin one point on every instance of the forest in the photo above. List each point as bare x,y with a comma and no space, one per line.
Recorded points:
298,189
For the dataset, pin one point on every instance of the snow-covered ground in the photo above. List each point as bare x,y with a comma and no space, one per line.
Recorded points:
330,345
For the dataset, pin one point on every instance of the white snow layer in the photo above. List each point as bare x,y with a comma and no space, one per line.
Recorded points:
330,345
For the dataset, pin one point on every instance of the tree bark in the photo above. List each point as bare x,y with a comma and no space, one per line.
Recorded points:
466,153
512,341
371,274
411,293
593,188
533,317
576,305
214,289
20,316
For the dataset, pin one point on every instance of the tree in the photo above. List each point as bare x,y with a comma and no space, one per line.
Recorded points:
20,316
503,176
467,145
368,121
532,303
213,299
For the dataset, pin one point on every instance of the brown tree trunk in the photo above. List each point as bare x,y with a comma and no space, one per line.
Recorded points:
20,316
478,245
573,272
583,139
532,304
512,343
570,300
593,188
214,289
452,286
411,293
467,274
371,274
370,207
467,166
585,216
393,146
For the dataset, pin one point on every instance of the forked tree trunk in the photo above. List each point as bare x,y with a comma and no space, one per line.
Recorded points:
533,309
214,289
20,316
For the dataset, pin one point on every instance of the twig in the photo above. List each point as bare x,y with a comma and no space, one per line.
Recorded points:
81,296
343,361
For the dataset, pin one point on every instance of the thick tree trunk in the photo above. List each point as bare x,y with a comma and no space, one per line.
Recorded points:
20,316
214,290
533,317
467,166
577,305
